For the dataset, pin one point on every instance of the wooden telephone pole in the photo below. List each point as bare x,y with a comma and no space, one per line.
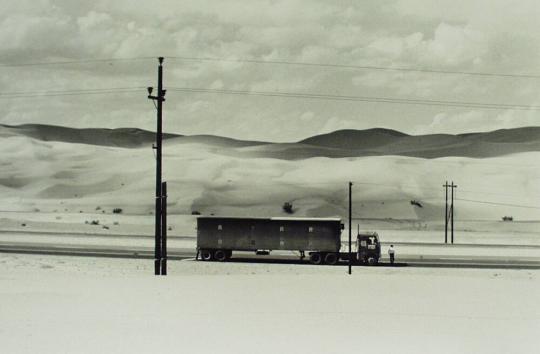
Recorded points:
449,217
159,225
452,211
350,227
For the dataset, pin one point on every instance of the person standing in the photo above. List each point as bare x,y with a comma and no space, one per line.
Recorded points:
392,254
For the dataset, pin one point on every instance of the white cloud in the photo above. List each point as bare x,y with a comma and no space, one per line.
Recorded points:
462,36
478,121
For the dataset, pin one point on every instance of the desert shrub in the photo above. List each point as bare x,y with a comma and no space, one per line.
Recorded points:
94,222
117,211
105,227
195,212
288,208
115,223
23,225
98,208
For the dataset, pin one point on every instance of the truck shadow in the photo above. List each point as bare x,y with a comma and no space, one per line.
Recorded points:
261,260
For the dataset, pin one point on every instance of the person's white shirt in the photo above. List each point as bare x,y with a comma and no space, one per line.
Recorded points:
391,251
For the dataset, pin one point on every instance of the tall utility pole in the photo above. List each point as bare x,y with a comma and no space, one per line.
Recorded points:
160,98
446,185
452,211
164,228
350,227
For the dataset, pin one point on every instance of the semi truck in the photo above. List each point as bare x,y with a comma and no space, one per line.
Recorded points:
218,237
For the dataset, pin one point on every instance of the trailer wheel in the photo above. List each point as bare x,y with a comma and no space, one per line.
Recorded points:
316,258
331,259
372,261
206,255
220,255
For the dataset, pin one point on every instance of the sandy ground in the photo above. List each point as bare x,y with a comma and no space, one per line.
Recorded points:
52,304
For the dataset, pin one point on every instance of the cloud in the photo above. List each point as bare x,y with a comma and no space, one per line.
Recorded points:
462,36
478,121
450,45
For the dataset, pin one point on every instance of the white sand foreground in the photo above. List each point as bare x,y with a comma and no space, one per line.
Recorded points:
51,304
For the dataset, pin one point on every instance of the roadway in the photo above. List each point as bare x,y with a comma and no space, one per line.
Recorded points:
409,260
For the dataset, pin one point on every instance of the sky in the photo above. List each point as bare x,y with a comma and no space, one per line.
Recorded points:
492,36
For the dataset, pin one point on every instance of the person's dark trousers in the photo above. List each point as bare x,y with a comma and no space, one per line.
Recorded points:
391,259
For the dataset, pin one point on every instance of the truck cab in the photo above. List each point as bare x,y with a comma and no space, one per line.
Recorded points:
369,248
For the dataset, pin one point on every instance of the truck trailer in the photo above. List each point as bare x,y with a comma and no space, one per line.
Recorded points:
218,237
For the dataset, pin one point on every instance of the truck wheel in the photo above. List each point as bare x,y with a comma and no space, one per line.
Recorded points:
206,255
331,259
220,255
315,258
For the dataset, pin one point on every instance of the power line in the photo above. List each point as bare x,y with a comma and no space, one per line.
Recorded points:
340,184
278,62
360,67
316,96
480,105
79,61
496,203
30,94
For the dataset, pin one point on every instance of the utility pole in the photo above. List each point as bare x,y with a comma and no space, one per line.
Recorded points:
350,227
452,211
446,185
164,228
160,98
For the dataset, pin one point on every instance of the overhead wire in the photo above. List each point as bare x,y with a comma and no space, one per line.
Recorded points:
497,203
78,61
322,96
298,95
76,92
360,67
278,62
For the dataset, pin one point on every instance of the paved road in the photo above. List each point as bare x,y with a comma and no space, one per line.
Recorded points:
411,260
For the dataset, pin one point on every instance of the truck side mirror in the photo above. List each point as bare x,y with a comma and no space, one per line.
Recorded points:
342,226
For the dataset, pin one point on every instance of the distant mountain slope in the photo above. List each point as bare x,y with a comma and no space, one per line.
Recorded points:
338,144
351,139
121,137
214,140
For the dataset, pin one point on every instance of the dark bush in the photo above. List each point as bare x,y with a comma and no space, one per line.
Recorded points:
288,208
117,211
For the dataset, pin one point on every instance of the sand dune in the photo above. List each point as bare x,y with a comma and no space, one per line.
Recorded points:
66,177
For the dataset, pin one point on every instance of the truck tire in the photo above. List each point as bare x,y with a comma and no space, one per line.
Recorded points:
206,255
220,255
331,258
372,261
316,258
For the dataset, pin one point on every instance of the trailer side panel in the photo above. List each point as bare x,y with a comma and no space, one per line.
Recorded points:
251,234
